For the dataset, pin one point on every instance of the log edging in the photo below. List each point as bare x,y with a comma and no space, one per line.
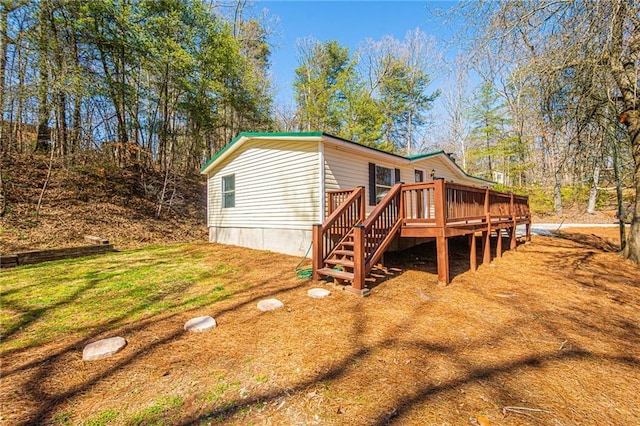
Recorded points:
47,255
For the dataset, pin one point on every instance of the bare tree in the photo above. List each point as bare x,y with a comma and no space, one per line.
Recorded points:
577,53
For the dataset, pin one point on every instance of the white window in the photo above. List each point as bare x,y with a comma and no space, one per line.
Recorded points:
384,182
228,191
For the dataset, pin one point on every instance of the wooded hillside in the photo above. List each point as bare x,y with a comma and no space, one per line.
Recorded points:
543,96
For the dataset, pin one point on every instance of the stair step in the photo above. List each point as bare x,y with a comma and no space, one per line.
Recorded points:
341,262
336,273
344,252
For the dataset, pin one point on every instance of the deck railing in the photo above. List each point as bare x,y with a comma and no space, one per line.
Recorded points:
326,236
335,198
428,209
460,203
499,205
464,202
419,202
521,206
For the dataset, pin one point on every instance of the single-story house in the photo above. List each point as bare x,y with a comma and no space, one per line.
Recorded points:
266,190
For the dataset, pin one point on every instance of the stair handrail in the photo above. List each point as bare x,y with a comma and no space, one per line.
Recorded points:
375,253
357,193
322,243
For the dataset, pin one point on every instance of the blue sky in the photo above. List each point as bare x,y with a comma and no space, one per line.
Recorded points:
348,22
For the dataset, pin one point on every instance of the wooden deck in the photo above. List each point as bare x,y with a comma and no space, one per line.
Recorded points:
349,243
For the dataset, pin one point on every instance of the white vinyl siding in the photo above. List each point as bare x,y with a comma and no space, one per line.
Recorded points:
276,186
347,170
444,169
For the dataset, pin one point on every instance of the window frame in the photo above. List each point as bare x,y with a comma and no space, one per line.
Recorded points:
387,188
226,192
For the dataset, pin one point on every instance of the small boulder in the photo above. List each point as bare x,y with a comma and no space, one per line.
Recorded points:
200,324
270,305
318,293
103,348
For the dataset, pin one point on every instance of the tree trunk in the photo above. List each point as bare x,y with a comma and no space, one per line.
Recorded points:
619,199
4,39
557,191
3,200
43,138
593,195
631,119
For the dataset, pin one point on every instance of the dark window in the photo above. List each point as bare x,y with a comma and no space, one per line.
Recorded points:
384,182
228,191
381,179
419,176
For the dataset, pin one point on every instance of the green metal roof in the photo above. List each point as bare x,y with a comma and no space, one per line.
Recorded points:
256,134
414,157
424,155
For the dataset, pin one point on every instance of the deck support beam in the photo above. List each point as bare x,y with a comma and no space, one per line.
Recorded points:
316,251
486,247
512,240
499,243
442,248
358,259
473,259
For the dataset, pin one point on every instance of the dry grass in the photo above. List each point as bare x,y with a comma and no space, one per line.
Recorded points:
553,326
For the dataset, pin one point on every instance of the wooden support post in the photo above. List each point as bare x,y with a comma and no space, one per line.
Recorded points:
316,251
486,246
473,259
528,227
442,248
512,237
499,243
358,259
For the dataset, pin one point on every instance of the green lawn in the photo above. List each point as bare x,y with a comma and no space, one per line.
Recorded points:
46,301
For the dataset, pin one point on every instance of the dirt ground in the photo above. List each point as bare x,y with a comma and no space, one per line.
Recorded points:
546,335
96,198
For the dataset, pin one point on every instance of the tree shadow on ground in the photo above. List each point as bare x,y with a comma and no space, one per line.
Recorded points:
492,355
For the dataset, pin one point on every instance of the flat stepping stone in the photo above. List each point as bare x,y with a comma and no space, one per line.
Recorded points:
200,324
318,293
103,348
270,305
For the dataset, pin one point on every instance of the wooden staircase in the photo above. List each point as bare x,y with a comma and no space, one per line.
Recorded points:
340,263
347,246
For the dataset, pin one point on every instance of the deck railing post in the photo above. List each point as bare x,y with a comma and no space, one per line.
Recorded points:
316,253
401,209
514,218
363,207
439,199
358,258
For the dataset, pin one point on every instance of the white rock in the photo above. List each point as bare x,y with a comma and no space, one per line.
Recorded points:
103,348
318,293
200,324
270,305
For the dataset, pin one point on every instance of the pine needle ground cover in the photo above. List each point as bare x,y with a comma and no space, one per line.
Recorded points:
547,334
